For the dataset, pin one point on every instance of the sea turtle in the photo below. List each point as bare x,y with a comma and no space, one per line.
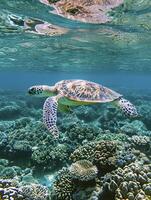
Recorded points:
88,11
68,93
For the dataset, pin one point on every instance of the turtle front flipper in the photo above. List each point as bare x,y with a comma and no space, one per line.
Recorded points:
127,107
50,115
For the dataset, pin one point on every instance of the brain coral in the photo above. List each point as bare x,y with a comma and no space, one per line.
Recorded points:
83,170
100,153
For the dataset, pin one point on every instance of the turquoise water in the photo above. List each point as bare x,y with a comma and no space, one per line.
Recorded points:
116,55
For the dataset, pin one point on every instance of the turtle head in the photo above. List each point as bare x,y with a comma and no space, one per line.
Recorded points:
41,90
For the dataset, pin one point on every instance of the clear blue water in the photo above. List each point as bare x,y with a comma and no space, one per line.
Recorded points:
116,55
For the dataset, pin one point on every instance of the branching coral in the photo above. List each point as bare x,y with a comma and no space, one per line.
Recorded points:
35,192
81,131
63,187
9,189
140,142
44,155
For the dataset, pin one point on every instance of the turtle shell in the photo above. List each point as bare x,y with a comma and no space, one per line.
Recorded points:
86,91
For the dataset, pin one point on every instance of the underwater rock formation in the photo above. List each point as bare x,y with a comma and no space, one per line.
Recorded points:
90,11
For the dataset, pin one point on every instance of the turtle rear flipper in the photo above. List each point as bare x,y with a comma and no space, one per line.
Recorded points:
50,115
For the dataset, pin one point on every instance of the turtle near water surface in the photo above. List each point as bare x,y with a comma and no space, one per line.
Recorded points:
68,93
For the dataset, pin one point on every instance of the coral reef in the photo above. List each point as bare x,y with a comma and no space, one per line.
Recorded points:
53,156
9,189
141,142
9,112
30,138
81,131
83,170
135,128
35,192
63,187
131,182
100,153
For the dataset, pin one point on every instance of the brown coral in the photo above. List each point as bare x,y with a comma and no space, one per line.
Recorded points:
101,153
63,187
131,182
35,192
83,170
9,189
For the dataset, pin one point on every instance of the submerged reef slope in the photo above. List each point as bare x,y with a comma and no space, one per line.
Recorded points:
103,155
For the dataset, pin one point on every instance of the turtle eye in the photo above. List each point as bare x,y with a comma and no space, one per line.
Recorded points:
32,90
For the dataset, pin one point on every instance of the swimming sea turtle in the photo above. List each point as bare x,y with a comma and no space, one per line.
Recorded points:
89,11
68,93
